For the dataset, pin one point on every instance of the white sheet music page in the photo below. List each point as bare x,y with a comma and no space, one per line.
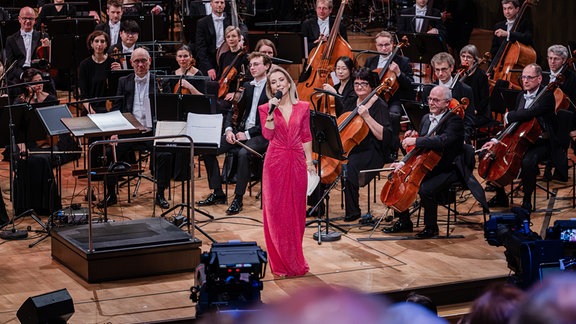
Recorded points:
111,121
205,129
166,128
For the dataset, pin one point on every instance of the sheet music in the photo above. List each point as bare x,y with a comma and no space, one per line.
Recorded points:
204,128
111,121
166,128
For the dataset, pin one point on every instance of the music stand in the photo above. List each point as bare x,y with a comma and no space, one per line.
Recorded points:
503,100
326,142
422,47
415,111
290,45
151,27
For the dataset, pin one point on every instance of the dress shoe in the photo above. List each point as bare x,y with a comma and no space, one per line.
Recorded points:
427,232
235,207
498,201
109,201
161,201
399,227
351,218
213,199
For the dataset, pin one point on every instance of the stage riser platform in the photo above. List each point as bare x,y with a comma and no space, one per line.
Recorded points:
123,261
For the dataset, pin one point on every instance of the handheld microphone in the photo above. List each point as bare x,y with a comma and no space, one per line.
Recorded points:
278,96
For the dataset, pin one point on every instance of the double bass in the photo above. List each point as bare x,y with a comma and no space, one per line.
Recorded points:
501,164
401,189
512,55
321,61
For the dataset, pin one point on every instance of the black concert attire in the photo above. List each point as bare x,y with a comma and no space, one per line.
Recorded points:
200,85
346,93
16,51
478,81
224,62
105,27
546,147
407,25
405,92
311,30
459,24
446,140
49,11
523,34
371,153
568,85
460,91
93,81
249,123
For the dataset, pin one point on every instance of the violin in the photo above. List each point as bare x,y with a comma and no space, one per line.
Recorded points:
401,189
228,76
119,57
502,162
178,88
561,99
353,130
384,73
238,94
463,71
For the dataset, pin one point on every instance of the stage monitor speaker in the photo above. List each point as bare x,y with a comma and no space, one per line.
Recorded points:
53,307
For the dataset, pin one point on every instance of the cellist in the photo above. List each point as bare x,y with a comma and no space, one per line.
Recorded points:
401,67
318,28
447,139
502,33
547,146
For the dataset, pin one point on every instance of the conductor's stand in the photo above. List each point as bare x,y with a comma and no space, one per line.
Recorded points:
326,143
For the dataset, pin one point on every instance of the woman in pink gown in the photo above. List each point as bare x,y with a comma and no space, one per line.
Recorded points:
284,177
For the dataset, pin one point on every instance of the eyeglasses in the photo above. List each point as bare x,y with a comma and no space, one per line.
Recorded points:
140,61
361,84
529,77
436,100
28,18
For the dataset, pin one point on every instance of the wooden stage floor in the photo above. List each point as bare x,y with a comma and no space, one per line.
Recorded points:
368,266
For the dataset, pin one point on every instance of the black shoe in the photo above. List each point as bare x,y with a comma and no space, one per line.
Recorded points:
235,207
399,227
109,201
351,218
527,205
427,232
498,201
213,199
161,201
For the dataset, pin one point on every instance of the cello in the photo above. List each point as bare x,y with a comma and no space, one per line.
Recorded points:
501,164
321,62
512,55
401,189
384,73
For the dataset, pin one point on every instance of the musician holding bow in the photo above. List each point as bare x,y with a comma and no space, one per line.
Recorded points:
443,132
546,146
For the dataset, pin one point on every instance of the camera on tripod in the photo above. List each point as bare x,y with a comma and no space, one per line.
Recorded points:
228,277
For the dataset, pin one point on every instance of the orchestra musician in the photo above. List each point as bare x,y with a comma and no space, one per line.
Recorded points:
443,66
248,131
187,67
502,33
235,58
447,139
318,28
477,79
21,46
401,67
112,26
547,146
58,9
411,24
343,69
372,152
129,33
557,56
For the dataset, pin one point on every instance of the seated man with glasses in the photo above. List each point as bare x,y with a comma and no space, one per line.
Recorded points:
129,32
21,46
440,131
443,66
547,145
373,151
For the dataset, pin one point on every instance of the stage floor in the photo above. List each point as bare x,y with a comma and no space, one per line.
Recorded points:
364,265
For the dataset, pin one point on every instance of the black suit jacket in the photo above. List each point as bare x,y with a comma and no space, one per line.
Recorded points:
106,28
16,52
568,86
311,30
406,90
127,88
523,34
447,139
245,106
407,25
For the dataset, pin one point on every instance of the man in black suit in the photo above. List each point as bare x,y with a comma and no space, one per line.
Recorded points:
411,24
446,139
21,46
135,89
547,145
502,30
443,66
210,36
317,29
112,26
400,66
247,130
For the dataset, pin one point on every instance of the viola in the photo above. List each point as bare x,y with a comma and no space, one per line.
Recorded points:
384,73
463,72
238,94
502,162
401,189
228,76
321,62
561,99
178,88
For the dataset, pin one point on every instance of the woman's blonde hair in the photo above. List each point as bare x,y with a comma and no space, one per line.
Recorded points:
292,91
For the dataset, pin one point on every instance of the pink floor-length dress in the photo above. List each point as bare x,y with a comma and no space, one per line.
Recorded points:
284,181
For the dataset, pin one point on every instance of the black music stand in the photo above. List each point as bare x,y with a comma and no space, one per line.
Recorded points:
326,142
290,45
422,47
151,26
415,111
